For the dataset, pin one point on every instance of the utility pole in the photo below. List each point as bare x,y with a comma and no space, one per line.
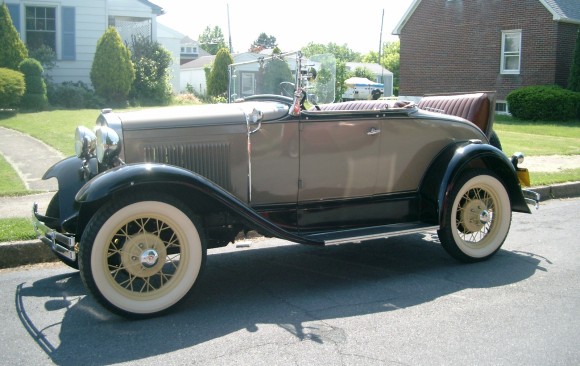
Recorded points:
230,31
381,49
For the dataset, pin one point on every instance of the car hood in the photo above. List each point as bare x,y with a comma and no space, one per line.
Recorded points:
198,115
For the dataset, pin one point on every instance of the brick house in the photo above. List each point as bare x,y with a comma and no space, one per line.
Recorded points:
501,45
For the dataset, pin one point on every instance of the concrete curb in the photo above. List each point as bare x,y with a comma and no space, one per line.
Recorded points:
16,254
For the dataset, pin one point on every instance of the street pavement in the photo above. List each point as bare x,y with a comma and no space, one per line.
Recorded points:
31,158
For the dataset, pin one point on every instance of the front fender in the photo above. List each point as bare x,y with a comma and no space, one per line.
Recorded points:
68,173
145,175
453,161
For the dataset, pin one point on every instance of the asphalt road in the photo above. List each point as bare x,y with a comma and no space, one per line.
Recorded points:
401,301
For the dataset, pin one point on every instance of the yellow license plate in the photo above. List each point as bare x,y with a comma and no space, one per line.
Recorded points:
524,177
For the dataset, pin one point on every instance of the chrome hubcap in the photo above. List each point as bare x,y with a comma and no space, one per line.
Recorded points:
149,258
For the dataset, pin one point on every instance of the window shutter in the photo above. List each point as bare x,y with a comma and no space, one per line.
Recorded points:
68,33
14,10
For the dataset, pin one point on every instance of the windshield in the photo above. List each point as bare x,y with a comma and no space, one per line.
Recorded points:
276,74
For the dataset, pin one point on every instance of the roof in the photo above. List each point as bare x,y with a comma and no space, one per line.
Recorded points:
155,8
562,11
199,62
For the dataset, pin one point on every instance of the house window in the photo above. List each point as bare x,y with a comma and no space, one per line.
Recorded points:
40,27
189,50
511,42
501,107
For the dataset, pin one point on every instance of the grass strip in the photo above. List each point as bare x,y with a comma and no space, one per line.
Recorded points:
16,229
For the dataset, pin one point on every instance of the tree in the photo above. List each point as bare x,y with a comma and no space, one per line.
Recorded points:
343,54
574,79
13,50
212,40
390,60
217,83
112,73
151,61
275,71
263,42
363,72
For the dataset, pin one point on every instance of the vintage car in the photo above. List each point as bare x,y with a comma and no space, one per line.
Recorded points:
150,191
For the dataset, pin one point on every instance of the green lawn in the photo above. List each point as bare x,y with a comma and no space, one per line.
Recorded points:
16,229
538,138
10,182
55,128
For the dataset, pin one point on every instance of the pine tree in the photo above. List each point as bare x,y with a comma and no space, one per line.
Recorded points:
219,75
13,50
112,73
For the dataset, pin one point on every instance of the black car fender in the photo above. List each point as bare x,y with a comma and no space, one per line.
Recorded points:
452,162
176,181
68,173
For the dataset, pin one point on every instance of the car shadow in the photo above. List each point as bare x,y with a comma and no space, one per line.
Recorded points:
287,285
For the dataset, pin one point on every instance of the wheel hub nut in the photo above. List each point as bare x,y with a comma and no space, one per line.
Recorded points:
149,258
484,217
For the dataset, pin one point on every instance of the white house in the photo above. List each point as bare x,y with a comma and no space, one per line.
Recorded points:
171,40
73,27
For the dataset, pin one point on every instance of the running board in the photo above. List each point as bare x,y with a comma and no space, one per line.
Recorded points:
370,233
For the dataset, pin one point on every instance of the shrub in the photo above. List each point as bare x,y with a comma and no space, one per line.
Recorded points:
47,58
35,96
217,83
151,61
73,96
12,88
13,50
112,72
545,102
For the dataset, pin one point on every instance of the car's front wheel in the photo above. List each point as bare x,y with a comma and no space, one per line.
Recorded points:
478,217
141,255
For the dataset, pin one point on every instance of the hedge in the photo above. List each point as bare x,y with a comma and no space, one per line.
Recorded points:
544,102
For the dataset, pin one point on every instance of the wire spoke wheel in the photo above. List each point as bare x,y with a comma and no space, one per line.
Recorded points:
478,219
141,257
138,258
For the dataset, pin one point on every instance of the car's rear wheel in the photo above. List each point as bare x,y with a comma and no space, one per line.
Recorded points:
141,255
478,217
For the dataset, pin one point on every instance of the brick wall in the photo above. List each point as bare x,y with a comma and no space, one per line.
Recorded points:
455,46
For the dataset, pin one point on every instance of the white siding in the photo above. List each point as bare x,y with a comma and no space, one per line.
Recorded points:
194,77
91,21
171,40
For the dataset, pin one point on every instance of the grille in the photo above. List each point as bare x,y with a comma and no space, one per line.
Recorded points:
212,160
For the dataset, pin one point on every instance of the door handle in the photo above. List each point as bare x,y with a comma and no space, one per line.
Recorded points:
373,131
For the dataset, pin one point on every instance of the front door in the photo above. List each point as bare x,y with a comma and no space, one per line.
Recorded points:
338,170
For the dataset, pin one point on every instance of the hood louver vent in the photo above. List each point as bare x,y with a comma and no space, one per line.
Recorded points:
212,160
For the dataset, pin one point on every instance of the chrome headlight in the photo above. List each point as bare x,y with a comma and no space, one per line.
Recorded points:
85,142
108,146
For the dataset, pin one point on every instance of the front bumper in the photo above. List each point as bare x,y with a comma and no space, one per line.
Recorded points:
532,198
62,244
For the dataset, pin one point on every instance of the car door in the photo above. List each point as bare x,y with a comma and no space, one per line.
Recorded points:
338,169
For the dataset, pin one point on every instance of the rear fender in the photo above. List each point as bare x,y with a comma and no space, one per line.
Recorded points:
452,163
176,181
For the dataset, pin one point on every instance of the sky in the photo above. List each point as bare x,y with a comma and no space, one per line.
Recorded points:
356,23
